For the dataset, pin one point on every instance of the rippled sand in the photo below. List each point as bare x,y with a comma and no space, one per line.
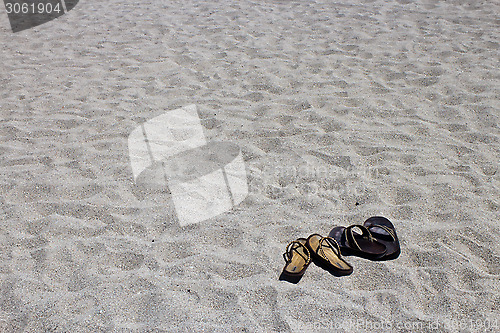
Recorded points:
343,110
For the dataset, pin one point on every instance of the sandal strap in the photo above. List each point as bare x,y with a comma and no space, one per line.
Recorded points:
351,240
293,246
331,243
390,231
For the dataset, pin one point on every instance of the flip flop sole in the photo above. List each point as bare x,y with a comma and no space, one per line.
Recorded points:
318,261
290,278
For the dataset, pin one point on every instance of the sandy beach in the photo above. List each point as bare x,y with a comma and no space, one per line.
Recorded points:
342,110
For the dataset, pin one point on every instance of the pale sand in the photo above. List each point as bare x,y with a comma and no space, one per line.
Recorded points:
390,104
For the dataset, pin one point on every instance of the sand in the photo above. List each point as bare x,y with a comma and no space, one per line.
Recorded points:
343,110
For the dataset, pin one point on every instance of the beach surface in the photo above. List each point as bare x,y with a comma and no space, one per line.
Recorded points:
342,110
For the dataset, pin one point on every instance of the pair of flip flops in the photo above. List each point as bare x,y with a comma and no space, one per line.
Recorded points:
323,251
377,241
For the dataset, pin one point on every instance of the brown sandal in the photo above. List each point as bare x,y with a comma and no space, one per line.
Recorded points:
297,257
326,254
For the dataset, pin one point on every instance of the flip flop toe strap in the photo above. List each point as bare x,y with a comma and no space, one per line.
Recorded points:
293,247
330,243
351,240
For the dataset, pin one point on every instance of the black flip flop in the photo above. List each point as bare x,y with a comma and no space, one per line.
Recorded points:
362,245
384,232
